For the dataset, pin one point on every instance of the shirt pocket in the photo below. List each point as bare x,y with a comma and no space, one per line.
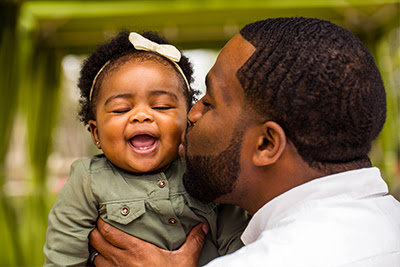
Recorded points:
125,212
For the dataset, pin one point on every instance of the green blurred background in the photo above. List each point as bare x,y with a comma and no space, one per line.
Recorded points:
42,44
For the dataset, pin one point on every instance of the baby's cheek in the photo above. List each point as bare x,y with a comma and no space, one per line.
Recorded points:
180,126
177,136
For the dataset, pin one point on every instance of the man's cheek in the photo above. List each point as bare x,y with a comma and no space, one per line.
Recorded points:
205,142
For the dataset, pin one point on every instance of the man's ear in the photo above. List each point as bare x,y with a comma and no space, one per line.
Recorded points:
270,144
95,133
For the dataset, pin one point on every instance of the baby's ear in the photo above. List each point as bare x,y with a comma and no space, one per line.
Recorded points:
270,144
95,134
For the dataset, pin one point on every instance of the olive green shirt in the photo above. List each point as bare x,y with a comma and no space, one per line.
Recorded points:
153,207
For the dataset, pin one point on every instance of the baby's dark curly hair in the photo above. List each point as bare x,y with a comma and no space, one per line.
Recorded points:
320,83
117,51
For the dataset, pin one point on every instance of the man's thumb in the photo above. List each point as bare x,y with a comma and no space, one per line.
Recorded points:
195,240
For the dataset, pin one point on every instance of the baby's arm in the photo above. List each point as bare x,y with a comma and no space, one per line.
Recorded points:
231,223
71,219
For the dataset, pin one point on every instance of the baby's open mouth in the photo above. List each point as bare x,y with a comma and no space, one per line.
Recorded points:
144,143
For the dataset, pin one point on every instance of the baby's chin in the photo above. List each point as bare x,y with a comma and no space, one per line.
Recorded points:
149,169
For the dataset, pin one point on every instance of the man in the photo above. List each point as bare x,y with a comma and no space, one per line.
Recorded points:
291,109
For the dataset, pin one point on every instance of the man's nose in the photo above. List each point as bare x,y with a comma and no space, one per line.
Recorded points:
195,113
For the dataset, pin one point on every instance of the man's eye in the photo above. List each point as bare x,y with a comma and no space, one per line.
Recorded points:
205,103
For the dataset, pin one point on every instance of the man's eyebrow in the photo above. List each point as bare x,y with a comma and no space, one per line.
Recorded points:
111,98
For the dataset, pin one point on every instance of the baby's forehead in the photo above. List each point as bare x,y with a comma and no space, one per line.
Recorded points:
141,59
136,57
144,56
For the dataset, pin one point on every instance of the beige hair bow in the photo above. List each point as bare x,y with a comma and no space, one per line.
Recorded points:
141,43
166,50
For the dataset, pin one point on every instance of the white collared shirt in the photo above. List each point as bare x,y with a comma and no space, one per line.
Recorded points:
345,219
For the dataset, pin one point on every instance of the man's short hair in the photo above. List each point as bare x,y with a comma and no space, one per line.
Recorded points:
319,82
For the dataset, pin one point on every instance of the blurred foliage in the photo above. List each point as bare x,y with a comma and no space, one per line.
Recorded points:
386,153
35,35
9,84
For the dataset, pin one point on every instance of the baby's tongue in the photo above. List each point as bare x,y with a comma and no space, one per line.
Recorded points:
142,141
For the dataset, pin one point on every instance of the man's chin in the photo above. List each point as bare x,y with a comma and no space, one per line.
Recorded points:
206,193
224,199
196,188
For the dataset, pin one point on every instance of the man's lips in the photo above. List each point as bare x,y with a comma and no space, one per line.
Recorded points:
144,143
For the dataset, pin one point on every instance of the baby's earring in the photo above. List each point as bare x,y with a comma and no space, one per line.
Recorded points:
98,145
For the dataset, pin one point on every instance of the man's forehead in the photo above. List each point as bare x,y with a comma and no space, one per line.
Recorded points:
238,49
235,54
231,58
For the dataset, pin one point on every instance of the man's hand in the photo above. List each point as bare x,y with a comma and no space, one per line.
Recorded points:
117,248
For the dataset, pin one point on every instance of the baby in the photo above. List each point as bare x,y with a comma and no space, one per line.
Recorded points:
135,96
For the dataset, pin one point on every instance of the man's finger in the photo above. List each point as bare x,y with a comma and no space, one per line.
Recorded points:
197,236
101,261
97,241
195,241
115,236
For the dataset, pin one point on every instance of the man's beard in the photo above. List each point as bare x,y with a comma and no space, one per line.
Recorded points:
210,177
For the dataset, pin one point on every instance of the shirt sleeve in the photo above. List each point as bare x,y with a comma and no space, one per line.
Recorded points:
231,223
71,219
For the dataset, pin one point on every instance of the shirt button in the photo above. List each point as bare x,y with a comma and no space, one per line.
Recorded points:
161,183
172,221
125,210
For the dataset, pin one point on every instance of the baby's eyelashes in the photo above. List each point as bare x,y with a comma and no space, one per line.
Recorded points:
162,108
119,111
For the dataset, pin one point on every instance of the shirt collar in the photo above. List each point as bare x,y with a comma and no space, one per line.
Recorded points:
352,184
